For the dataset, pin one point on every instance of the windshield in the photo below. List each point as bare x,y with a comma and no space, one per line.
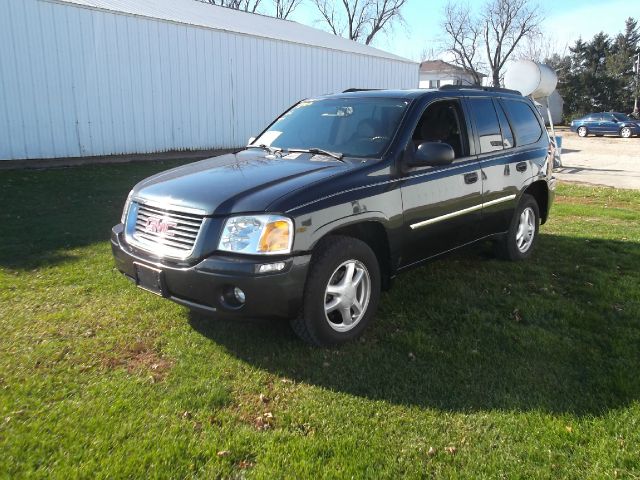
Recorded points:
621,117
355,127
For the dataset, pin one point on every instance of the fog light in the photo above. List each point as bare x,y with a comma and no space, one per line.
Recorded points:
271,267
239,294
232,297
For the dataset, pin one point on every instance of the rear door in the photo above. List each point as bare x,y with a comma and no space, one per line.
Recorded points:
506,130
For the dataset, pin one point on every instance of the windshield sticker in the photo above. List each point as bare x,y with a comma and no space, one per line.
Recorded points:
269,137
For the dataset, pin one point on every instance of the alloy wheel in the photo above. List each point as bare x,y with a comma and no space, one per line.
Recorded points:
625,132
526,230
347,295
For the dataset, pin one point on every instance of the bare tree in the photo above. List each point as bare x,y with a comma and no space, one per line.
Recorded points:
383,13
506,23
500,29
538,48
463,36
246,5
284,8
359,20
429,53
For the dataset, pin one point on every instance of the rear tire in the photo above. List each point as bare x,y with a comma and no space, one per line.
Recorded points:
522,237
583,132
341,292
625,132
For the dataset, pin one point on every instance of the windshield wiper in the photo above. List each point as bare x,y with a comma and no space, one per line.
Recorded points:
318,151
271,150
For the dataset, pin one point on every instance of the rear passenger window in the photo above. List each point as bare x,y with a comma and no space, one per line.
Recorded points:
525,124
507,134
486,122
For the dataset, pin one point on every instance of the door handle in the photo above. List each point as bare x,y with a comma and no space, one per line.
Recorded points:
521,167
470,178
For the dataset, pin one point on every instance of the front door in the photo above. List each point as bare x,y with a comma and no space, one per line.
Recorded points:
608,124
442,205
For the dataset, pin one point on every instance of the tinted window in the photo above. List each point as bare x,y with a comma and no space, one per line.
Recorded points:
524,122
507,134
621,117
358,127
487,125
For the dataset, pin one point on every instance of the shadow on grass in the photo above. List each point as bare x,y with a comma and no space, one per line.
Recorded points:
558,334
46,211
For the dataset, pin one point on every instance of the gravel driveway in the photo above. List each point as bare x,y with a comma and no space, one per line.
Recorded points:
608,161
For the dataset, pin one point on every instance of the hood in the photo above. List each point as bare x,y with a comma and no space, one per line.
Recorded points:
246,181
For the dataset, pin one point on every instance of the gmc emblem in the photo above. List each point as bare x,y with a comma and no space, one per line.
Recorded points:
160,226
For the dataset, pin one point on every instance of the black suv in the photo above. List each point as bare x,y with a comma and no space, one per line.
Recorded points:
335,198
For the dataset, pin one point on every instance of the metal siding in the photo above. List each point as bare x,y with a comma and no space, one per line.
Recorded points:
78,82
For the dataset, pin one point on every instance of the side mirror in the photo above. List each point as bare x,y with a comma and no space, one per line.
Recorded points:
251,140
432,154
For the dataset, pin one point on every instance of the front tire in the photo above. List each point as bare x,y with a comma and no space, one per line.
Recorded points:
522,237
341,292
583,132
625,132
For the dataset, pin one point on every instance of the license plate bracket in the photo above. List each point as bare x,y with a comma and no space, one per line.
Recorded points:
149,279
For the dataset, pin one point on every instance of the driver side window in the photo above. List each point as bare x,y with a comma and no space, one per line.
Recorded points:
441,122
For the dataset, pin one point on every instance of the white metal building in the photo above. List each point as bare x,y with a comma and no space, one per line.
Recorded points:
101,77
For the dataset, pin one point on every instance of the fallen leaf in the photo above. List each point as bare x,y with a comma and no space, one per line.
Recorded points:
263,398
451,450
431,452
264,421
412,357
569,428
186,415
223,453
515,315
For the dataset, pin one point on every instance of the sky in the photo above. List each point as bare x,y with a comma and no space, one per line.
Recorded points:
565,21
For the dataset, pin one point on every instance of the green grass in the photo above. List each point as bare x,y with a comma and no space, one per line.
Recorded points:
526,370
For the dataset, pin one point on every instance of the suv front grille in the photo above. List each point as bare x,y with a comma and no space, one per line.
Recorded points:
166,231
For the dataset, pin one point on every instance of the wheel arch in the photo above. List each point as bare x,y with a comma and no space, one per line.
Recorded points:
627,127
372,232
540,191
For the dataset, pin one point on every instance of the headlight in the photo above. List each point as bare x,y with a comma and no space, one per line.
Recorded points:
126,208
257,234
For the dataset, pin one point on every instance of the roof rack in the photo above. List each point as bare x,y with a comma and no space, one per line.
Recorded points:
351,90
479,87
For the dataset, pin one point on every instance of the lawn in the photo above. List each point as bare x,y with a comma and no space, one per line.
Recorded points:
474,367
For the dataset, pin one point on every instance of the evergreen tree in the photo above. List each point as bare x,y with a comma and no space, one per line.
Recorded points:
597,75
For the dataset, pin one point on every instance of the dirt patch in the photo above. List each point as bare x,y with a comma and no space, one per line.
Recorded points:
141,359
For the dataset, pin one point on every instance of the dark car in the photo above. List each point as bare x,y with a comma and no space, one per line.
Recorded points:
334,199
606,123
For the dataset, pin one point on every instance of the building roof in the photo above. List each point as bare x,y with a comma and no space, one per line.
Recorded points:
440,66
210,16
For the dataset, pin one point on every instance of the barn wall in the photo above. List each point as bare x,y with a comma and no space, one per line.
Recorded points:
76,81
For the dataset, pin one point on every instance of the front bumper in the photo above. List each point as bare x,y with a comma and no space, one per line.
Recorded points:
201,286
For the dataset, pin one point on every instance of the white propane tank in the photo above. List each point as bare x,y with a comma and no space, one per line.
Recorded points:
536,80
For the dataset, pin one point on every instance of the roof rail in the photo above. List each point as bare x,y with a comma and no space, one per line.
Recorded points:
479,87
351,90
